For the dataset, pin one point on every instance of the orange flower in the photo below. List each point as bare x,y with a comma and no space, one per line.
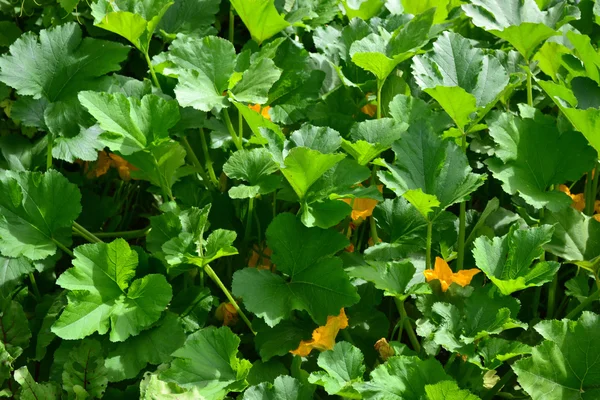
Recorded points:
578,199
227,313
105,162
260,257
444,274
264,111
369,109
323,338
384,349
362,208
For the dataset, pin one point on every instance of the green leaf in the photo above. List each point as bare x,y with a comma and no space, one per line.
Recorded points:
153,346
507,260
281,339
256,82
520,166
317,283
45,335
363,9
402,377
32,390
260,17
303,167
36,211
448,390
203,67
576,236
400,223
322,139
381,53
420,6
520,22
256,167
15,328
160,165
560,367
344,365
372,137
455,62
101,295
12,273
84,372
135,21
59,64
208,363
423,202
131,124
9,32
190,17
496,350
437,167
585,121
395,278
284,388
152,388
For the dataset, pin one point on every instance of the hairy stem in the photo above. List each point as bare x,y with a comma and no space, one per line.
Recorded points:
414,341
123,234
63,247
229,125
49,152
231,23
428,245
462,217
212,275
152,72
89,236
590,299
248,230
529,85
34,285
372,222
552,297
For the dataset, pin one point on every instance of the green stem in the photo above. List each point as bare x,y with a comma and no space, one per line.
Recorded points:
192,155
152,72
274,204
428,245
63,248
231,24
552,297
123,234
36,291
208,159
407,325
86,234
450,362
529,85
231,130
590,299
248,230
372,222
379,87
462,218
241,127
49,153
489,395
591,186
212,275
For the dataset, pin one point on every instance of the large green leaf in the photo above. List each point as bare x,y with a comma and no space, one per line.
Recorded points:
381,53
32,390
561,367
395,278
208,363
585,120
84,374
255,166
448,390
36,211
303,167
313,280
520,22
459,76
343,366
153,346
190,17
15,328
372,137
576,236
101,295
134,20
424,161
131,124
284,388
12,273
507,260
260,17
523,169
256,82
53,69
203,67
402,378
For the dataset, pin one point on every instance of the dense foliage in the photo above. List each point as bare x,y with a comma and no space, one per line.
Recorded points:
296,199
